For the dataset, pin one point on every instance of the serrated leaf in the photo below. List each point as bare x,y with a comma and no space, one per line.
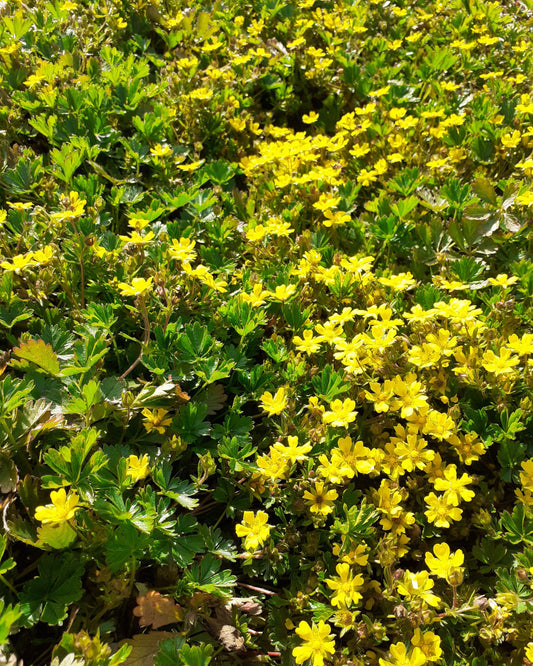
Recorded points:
155,610
145,647
8,475
47,596
485,191
39,353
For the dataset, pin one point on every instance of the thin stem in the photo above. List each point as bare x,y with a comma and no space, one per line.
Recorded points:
8,584
146,338
260,590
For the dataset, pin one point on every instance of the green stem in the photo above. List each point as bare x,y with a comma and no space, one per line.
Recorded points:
7,584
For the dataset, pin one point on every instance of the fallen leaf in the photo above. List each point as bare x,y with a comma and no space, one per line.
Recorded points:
230,637
245,604
156,610
145,647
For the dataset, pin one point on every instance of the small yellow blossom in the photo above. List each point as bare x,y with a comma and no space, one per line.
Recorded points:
310,118
428,643
503,280
321,500
345,585
440,511
274,404
63,507
342,413
155,420
254,528
138,468
502,364
137,287
318,643
443,562
293,451
401,657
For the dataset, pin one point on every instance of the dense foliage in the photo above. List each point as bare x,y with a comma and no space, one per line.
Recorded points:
266,314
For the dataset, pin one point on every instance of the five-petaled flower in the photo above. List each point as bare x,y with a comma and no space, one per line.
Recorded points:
63,507
318,643
254,529
138,287
274,404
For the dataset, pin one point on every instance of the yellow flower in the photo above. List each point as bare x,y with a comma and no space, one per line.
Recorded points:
526,477
454,488
63,508
503,280
400,282
18,263
254,528
257,297
308,344
274,404
416,587
346,586
443,562
156,420
20,206
440,511
400,657
429,643
335,218
511,140
182,249
499,365
310,118
283,292
161,150
321,500
137,287
136,239
522,346
293,452
318,643
341,413
138,468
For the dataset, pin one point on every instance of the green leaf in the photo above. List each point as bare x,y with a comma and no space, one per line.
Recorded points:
329,384
485,191
48,595
231,450
206,577
8,616
518,525
14,393
194,343
180,490
39,353
8,477
219,172
402,208
190,423
196,655
13,314
169,652
124,544
188,542
357,522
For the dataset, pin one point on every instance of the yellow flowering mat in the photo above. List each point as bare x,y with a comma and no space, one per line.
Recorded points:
266,333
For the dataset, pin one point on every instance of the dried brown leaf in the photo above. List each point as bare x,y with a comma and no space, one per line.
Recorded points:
153,609
145,647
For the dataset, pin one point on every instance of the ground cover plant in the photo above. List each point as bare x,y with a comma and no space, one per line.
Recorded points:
266,326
